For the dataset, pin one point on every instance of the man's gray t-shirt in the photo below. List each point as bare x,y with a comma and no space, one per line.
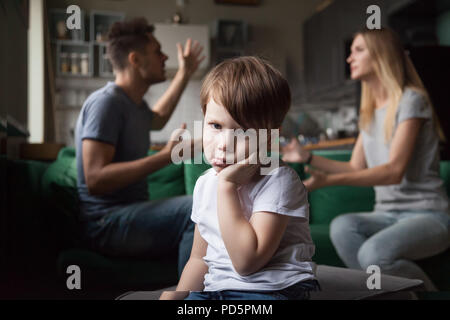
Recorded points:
110,116
421,187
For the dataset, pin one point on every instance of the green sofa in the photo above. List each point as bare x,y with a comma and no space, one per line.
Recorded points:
44,200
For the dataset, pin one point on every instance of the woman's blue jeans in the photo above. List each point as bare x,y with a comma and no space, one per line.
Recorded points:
391,240
150,229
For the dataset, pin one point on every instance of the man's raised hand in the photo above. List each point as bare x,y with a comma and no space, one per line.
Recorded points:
190,58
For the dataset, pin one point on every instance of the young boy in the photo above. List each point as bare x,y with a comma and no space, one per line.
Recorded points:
252,238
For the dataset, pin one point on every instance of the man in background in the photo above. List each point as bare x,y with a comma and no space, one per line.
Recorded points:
112,141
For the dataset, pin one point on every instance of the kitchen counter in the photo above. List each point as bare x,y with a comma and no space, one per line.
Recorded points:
346,143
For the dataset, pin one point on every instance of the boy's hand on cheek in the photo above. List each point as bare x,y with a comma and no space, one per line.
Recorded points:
240,173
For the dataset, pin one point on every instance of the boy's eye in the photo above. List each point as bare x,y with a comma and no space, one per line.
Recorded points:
216,126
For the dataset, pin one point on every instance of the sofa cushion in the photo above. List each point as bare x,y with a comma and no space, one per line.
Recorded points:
60,180
166,182
445,175
59,185
324,249
349,284
191,173
329,202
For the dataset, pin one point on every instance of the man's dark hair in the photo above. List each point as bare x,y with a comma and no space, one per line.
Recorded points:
127,36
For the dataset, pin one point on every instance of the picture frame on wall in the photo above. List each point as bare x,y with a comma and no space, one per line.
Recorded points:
231,33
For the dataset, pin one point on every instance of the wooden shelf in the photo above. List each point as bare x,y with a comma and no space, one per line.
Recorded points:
40,151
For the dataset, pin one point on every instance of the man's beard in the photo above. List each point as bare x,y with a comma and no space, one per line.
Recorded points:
154,80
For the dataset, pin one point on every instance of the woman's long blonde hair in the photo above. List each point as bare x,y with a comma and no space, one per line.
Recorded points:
396,72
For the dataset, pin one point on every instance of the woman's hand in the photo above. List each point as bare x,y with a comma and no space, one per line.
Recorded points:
318,179
189,59
240,173
294,152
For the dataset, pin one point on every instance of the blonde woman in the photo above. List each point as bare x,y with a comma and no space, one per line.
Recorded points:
397,153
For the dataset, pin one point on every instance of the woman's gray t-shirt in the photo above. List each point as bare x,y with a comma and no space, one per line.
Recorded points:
421,187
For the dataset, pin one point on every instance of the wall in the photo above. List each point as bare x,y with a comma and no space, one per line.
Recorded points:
36,72
276,25
275,33
13,59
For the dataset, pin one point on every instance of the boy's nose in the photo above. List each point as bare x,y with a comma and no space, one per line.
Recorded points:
223,139
222,146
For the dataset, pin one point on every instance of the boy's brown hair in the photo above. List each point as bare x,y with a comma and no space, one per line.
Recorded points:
254,93
127,36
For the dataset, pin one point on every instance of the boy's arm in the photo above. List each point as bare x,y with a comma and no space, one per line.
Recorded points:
193,273
250,244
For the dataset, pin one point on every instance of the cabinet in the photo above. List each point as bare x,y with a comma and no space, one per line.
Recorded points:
100,23
74,59
327,37
58,29
79,53
105,69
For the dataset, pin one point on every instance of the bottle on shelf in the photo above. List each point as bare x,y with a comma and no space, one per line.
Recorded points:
64,62
75,63
84,64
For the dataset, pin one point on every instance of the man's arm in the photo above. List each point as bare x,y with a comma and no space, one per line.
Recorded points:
188,60
163,109
102,176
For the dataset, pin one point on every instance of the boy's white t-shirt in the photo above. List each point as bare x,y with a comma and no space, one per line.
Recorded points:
281,192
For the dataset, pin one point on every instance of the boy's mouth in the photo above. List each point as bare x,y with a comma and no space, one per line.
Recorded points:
221,163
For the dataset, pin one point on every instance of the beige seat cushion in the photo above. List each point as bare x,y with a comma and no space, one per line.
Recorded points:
349,284
336,284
